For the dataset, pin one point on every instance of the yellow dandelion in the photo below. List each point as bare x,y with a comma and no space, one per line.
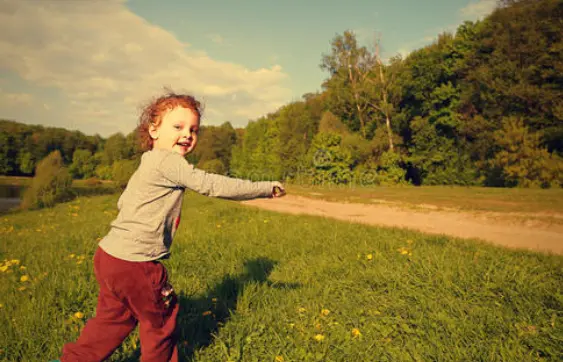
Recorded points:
318,326
279,359
15,262
79,262
356,332
265,221
22,267
369,257
3,268
24,278
291,325
325,312
301,310
218,226
78,315
1,305
214,300
71,256
319,337
404,252
206,313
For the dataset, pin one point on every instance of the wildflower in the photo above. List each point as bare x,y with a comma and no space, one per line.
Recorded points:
71,256
22,267
79,262
319,337
369,256
218,226
291,325
1,305
403,250
15,262
279,359
206,313
325,312
24,278
318,326
74,214
78,315
214,300
301,310
3,268
356,332
265,221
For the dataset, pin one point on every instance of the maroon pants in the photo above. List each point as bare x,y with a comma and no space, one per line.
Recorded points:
130,293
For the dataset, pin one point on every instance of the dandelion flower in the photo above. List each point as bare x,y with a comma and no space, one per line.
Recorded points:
279,359
71,256
15,261
319,337
78,315
301,310
3,268
356,332
214,300
24,278
325,312
22,267
369,256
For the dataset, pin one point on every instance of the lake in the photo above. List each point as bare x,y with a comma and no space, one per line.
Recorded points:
10,197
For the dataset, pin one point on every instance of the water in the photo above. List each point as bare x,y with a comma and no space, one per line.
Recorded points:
10,197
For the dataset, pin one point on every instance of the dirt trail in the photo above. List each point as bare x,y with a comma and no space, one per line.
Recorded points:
482,226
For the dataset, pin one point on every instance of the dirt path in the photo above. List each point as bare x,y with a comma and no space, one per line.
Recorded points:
484,225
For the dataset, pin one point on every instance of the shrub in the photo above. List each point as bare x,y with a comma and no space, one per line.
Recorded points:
50,185
122,171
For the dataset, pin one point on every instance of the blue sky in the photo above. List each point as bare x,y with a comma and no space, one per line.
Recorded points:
89,65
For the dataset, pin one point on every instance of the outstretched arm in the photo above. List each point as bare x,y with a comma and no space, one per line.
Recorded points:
176,169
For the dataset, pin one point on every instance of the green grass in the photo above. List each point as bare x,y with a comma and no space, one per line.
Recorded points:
449,197
443,299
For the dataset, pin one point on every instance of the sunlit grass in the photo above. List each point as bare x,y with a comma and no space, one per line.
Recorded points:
260,286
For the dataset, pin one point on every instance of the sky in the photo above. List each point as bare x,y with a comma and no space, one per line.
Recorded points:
89,65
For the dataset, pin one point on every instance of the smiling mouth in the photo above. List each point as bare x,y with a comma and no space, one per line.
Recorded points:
184,144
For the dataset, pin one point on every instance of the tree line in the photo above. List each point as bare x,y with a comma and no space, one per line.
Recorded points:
483,106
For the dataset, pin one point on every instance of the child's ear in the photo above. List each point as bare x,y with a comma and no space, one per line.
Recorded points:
153,131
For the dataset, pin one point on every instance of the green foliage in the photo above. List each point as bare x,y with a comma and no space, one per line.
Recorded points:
214,144
331,123
122,170
520,159
83,164
50,185
116,149
330,162
213,166
26,162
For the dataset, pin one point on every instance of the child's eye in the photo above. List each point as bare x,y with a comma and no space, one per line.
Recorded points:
177,126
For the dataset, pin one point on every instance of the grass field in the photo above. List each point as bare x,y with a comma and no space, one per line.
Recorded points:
260,286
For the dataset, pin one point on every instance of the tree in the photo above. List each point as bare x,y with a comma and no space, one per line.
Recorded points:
349,67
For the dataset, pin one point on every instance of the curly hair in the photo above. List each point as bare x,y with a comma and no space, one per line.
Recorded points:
157,108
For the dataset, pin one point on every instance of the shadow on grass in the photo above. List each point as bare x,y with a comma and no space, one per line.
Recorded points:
200,318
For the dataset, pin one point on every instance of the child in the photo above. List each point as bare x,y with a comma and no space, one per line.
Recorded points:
133,283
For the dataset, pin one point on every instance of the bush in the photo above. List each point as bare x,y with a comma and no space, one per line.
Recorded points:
214,166
122,171
51,184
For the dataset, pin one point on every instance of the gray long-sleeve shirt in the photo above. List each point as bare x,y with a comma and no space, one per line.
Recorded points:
149,208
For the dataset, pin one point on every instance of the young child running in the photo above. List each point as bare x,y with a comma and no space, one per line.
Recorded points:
133,284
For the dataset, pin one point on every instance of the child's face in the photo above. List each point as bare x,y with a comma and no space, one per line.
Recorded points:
177,131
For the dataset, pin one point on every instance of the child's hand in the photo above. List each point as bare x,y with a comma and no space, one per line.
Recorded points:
278,190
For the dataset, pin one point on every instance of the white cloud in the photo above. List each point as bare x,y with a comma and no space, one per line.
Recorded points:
15,99
105,61
477,9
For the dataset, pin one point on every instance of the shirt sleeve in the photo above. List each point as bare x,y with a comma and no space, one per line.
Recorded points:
177,170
